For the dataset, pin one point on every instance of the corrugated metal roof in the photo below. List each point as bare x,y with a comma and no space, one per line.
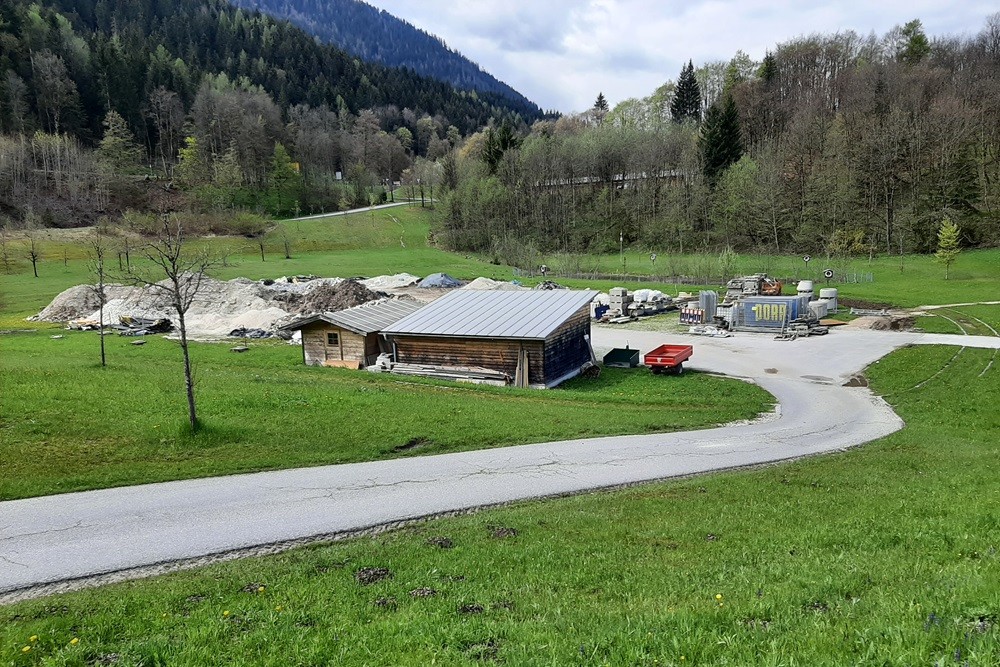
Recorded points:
494,314
364,319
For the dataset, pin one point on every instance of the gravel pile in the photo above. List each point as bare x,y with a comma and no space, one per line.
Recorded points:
219,308
390,282
490,284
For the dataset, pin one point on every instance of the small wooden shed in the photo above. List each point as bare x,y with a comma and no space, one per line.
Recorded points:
536,338
348,338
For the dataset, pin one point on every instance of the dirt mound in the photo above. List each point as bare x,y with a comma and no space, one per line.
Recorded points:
892,322
77,302
340,296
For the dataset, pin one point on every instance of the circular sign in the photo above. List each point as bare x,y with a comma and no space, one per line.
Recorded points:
652,257
544,269
828,274
806,259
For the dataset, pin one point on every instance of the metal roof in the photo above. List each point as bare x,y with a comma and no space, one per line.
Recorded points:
364,319
494,314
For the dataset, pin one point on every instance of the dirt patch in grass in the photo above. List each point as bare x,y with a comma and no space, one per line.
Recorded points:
367,576
411,444
470,609
501,532
485,650
440,542
423,592
817,606
385,603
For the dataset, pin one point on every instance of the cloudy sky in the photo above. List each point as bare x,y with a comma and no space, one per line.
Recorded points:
561,53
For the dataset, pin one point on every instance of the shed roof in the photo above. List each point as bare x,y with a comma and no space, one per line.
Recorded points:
364,319
531,315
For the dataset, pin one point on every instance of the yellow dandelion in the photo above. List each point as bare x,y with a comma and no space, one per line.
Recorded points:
74,641
26,649
33,638
260,590
683,658
278,608
225,613
718,596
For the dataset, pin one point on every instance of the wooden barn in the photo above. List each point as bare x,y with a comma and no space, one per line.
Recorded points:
535,338
348,338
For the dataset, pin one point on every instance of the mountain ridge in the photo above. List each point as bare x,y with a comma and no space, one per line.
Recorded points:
377,35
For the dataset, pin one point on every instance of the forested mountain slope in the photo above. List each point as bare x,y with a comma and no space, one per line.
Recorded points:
114,53
377,36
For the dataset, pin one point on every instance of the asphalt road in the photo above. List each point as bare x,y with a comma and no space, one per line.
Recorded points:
79,535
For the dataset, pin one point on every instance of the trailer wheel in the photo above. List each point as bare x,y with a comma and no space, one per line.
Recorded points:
680,369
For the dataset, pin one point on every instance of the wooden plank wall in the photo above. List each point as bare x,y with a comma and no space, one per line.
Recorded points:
353,347
499,355
565,348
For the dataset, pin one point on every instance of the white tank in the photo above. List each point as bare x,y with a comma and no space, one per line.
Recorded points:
830,294
805,288
818,309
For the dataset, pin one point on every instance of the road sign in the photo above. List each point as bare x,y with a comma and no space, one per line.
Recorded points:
806,259
828,274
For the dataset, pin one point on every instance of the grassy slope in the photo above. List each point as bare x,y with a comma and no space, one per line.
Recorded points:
885,554
266,410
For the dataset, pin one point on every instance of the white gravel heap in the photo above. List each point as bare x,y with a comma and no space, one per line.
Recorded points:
219,307
490,284
399,280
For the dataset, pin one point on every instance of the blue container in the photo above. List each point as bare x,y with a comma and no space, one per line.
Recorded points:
770,312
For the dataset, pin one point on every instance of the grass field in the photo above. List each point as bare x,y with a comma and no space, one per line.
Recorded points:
886,554
975,276
67,424
396,240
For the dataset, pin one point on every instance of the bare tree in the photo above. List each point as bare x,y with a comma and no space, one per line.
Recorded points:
34,251
182,276
98,249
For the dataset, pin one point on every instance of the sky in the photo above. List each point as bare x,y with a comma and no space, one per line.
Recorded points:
561,53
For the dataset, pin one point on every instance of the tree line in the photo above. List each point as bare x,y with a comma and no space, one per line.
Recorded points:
832,143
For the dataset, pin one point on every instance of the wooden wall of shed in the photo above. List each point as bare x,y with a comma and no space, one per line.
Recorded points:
352,347
565,348
495,354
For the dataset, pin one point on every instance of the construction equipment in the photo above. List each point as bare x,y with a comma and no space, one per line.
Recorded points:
668,358
759,284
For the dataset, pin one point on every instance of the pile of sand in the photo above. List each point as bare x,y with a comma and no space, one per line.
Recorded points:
891,322
490,284
396,281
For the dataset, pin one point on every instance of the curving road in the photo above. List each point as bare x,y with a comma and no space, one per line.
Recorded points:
126,530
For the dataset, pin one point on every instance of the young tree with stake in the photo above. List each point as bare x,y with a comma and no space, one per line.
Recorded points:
181,277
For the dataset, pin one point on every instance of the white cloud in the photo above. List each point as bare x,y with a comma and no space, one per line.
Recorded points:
561,53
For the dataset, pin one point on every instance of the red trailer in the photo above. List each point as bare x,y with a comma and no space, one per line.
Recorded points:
668,358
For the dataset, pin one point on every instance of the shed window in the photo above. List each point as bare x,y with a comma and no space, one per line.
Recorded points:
333,338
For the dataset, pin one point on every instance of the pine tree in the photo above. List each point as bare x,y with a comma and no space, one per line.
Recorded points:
600,109
721,140
768,70
686,104
948,249
118,149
